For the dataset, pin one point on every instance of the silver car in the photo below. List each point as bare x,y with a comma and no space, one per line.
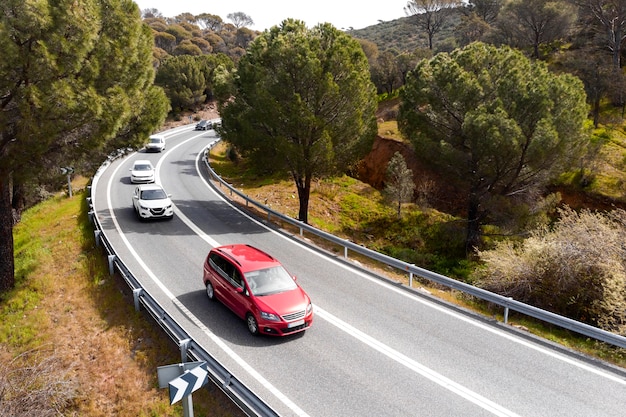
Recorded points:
142,172
203,125
150,201
156,143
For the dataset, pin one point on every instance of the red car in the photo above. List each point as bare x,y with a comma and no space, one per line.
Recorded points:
257,288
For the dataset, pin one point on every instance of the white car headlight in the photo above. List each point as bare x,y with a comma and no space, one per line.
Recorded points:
269,316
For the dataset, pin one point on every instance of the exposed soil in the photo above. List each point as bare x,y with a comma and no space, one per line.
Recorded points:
441,193
206,112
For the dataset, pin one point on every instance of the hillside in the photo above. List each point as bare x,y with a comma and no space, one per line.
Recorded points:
404,35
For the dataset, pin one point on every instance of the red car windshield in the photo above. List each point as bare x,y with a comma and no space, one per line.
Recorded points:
270,281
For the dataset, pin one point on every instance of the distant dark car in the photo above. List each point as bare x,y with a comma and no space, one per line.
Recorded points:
256,287
203,125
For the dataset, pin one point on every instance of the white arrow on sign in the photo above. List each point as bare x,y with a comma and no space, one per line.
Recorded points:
188,382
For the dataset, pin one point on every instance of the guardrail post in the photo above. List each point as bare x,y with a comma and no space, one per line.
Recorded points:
97,236
90,215
187,401
184,344
136,294
345,252
111,259
506,312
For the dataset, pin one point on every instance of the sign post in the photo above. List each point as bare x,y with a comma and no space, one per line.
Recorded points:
182,379
68,171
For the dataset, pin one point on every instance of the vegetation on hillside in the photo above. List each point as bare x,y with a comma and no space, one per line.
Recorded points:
71,343
499,126
581,258
76,81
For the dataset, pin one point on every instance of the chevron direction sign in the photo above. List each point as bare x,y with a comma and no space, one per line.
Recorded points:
191,380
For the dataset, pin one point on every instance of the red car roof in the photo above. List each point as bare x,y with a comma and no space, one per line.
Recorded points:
248,257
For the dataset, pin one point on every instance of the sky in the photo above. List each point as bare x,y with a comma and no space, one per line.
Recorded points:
343,14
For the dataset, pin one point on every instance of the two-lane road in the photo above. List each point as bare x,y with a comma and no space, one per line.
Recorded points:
375,349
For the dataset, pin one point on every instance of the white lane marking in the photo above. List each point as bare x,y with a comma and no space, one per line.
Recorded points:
417,367
421,369
430,304
238,359
426,372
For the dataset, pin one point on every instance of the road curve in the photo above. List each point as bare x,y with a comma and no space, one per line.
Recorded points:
375,349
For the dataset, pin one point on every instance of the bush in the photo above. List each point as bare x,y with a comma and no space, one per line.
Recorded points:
577,268
36,384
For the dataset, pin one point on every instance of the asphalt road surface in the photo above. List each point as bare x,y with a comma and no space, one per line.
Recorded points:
375,348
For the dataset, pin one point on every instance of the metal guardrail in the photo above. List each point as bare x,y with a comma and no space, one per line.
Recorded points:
505,302
243,397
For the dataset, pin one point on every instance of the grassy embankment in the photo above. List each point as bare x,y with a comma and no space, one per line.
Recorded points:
71,342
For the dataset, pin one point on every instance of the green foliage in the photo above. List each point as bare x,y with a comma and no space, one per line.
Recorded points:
81,77
179,32
494,122
581,259
188,80
187,47
303,103
535,24
388,96
399,184
183,81
73,76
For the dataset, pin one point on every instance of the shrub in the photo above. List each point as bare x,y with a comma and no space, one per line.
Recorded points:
576,268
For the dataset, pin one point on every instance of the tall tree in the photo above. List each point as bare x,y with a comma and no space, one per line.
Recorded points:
385,73
497,123
471,29
487,10
183,79
240,19
536,22
73,75
608,18
302,103
429,14
151,13
399,184
596,72
209,21
610,15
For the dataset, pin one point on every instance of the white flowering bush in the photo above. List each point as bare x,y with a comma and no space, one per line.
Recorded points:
575,267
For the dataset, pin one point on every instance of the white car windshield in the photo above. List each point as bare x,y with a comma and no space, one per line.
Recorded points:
155,140
153,195
143,168
270,281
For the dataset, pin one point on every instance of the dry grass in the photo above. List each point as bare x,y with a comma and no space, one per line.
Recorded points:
72,329
325,214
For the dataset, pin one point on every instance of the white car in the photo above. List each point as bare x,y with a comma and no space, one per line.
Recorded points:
142,172
156,143
150,201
